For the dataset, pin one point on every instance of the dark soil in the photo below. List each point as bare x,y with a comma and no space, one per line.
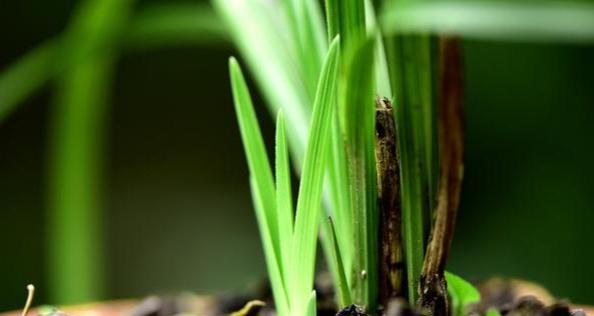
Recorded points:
508,297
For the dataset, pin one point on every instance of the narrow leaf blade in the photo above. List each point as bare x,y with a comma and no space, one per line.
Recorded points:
310,190
26,75
312,305
160,25
344,292
260,33
549,21
279,291
257,158
357,108
284,201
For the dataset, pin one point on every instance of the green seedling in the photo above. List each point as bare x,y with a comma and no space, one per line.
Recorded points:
461,293
323,92
370,191
289,244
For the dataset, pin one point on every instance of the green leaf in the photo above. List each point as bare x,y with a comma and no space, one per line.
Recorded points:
461,293
169,24
257,158
409,74
152,27
339,186
333,17
346,18
357,114
338,181
259,29
312,305
26,75
344,292
492,312
273,263
314,43
284,201
263,188
382,76
312,178
559,21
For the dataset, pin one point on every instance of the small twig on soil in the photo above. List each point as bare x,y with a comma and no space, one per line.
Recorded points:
251,308
391,263
433,292
30,293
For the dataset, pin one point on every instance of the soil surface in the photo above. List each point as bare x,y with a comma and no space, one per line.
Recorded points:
511,297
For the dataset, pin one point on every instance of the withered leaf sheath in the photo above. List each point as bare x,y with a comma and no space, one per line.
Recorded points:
433,289
391,263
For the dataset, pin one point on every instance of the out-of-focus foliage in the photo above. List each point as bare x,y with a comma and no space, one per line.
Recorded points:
461,294
527,167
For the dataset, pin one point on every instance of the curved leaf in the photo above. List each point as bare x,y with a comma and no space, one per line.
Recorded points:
549,21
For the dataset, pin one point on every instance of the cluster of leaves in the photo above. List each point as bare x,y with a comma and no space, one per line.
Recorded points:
332,85
284,44
287,46
287,61
289,247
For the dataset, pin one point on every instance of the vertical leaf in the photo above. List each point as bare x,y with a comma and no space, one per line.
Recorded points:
358,116
310,189
257,158
259,29
315,43
333,17
273,263
312,309
346,18
344,293
382,76
339,186
414,115
284,202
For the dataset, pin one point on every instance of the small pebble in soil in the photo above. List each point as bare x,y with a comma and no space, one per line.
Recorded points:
399,307
528,306
351,310
531,306
559,309
156,306
578,312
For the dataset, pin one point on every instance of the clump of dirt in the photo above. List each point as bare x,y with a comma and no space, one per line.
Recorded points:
512,297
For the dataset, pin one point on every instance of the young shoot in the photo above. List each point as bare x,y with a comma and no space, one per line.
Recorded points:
289,244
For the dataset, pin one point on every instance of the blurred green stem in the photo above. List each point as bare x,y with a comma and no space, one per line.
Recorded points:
75,227
75,221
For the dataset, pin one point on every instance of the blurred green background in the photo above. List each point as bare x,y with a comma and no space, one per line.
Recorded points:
177,211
